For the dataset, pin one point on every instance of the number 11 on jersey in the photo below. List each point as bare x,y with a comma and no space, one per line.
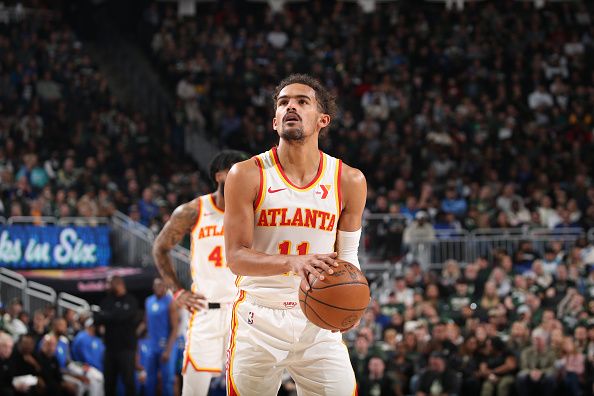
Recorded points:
285,248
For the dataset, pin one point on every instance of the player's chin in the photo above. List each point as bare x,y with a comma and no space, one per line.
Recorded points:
293,134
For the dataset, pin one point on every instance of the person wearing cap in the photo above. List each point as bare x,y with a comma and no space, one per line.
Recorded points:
418,236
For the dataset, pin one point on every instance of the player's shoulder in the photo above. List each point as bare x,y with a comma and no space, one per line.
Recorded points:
245,169
351,176
188,209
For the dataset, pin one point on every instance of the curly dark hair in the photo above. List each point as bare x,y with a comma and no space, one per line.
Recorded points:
326,100
225,160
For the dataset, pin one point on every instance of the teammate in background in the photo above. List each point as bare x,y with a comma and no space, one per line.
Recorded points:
213,288
290,212
162,321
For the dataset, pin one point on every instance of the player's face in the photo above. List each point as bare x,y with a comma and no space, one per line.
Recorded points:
297,113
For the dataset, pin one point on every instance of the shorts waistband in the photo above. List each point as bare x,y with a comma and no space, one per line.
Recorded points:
272,304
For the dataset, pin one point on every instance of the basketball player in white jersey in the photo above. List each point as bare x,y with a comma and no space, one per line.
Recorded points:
213,285
290,212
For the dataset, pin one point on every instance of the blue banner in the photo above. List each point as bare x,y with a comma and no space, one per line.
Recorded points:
25,246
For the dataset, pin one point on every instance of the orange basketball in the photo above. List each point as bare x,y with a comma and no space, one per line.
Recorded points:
338,301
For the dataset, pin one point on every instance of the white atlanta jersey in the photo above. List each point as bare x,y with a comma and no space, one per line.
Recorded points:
210,275
289,219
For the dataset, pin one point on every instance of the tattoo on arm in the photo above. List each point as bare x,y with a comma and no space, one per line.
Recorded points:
181,222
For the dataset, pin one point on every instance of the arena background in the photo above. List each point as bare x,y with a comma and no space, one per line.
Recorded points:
472,121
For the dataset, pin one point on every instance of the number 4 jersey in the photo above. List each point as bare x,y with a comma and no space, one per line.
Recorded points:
292,220
210,275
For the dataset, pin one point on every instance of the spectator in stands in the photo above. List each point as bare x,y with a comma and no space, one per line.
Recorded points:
518,215
418,236
454,204
6,367
565,220
537,371
519,338
498,370
508,195
438,379
378,381
402,293
146,206
119,311
466,362
25,362
360,357
573,368
50,369
459,302
11,322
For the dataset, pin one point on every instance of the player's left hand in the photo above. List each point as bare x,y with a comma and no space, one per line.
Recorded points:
165,356
190,300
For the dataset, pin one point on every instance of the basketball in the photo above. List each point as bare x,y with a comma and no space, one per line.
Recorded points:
338,301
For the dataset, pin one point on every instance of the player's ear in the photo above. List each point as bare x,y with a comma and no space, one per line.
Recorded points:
323,120
274,124
220,176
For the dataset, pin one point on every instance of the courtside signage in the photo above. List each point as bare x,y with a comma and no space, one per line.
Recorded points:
24,246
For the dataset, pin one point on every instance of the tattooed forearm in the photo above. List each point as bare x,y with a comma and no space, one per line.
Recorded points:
181,222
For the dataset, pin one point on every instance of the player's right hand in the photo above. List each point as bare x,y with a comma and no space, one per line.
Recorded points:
191,301
312,266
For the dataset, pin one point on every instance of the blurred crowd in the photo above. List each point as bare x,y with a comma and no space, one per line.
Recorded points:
44,353
67,146
481,118
75,353
459,120
482,329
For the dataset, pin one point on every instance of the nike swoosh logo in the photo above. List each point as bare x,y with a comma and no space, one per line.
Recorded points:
271,191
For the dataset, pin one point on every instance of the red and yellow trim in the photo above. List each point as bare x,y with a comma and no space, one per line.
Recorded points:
262,189
338,189
199,209
231,388
192,243
285,179
213,202
188,356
